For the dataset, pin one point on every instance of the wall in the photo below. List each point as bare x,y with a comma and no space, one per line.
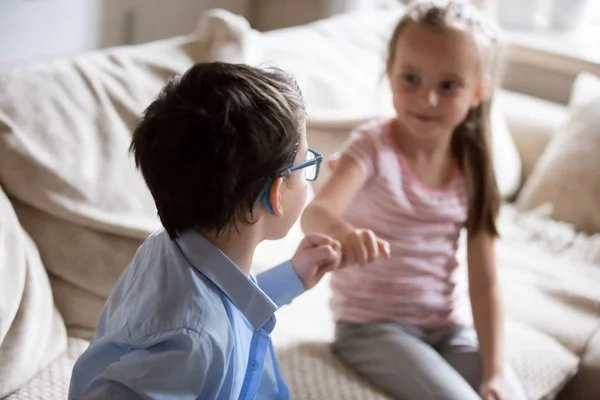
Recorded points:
147,20
267,15
38,30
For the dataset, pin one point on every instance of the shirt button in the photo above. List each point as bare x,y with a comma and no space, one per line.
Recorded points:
254,365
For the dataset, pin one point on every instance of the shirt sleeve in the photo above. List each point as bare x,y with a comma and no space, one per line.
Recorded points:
179,364
362,148
280,283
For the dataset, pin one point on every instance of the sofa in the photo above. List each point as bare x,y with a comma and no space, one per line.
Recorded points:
73,209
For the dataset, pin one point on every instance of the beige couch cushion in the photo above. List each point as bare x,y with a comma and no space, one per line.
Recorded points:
65,128
32,332
550,275
567,175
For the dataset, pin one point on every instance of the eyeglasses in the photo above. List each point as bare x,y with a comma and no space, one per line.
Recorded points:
311,167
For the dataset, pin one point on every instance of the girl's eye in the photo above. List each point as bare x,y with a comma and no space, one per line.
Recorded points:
448,86
411,79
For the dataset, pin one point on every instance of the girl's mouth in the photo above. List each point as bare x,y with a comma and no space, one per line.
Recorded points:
424,117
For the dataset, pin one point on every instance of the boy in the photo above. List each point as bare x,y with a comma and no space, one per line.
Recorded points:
223,152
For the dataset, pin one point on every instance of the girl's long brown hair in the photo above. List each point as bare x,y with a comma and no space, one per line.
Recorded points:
471,141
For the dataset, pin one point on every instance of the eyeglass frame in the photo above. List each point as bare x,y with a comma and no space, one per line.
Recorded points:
265,192
317,160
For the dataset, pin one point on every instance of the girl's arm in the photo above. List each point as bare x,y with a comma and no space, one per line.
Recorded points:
486,303
323,214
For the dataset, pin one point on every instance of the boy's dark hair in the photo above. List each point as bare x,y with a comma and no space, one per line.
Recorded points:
213,137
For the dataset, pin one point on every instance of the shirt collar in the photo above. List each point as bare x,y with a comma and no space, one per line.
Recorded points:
210,261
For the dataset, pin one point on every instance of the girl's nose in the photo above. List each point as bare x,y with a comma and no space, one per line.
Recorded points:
430,97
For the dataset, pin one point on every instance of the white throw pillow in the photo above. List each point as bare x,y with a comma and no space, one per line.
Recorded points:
585,89
507,161
532,122
567,176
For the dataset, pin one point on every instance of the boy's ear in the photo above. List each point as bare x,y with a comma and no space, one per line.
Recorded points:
275,197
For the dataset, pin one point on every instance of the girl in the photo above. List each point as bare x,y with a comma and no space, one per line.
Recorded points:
399,196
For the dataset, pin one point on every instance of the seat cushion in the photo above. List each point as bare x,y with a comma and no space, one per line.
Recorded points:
52,383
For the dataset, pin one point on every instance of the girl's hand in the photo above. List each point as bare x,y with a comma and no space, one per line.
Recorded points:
494,389
361,246
316,255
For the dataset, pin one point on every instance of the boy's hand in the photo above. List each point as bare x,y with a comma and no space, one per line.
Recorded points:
316,255
361,246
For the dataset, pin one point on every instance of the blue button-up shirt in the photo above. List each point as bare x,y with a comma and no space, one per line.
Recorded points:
184,322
